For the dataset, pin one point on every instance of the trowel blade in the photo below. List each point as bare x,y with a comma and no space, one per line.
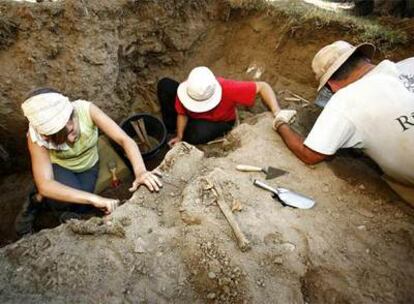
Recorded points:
294,199
272,172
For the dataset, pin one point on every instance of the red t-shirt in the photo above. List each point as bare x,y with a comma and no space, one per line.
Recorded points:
233,93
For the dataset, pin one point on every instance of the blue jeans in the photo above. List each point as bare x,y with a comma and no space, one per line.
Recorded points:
84,181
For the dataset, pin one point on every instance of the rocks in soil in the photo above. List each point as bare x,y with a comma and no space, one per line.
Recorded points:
97,226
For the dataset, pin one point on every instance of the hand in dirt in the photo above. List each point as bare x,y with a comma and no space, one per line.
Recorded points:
174,141
149,179
107,205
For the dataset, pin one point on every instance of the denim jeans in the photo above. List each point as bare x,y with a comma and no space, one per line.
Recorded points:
84,181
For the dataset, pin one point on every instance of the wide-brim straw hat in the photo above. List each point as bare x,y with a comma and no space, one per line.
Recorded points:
201,92
331,57
48,113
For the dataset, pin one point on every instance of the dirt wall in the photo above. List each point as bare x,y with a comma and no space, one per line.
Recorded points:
109,52
113,53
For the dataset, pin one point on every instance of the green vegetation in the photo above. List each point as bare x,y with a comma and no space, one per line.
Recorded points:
364,29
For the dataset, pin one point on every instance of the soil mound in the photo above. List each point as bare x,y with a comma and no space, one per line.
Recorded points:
354,246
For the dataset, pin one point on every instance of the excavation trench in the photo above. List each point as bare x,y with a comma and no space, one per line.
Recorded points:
354,246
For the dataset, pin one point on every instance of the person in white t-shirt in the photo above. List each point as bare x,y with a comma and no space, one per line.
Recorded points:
371,108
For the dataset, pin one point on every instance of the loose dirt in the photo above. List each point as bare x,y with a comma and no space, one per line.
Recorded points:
355,246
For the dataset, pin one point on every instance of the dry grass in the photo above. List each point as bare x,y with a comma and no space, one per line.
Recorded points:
362,28
249,4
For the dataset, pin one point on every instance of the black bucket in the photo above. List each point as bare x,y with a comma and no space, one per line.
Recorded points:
155,128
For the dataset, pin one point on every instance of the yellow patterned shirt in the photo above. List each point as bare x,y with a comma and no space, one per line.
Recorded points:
83,154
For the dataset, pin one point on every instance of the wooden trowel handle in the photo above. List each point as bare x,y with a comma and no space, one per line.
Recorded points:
247,168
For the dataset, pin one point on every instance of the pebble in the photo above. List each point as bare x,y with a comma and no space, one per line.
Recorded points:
260,283
140,246
211,296
362,187
398,214
288,246
226,289
366,213
278,260
362,227
325,189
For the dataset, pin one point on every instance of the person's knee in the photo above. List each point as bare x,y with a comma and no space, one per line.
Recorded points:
165,85
194,140
197,137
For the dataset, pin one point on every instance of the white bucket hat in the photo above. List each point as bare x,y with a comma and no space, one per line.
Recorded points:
331,57
201,92
47,113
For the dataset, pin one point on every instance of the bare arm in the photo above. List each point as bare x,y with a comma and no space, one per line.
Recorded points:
113,131
295,144
268,96
49,187
181,124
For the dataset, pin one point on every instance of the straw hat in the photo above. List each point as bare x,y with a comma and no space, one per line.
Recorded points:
48,113
201,92
330,58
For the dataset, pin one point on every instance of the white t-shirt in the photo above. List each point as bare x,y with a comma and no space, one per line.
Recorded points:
375,114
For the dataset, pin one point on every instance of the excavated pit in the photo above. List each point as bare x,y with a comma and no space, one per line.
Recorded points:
355,246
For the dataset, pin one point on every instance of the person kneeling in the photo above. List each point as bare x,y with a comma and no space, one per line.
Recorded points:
203,107
63,145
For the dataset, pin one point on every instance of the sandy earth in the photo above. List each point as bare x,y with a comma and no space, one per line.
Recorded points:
354,246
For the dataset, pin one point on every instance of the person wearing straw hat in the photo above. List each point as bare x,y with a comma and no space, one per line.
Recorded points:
62,140
366,106
203,107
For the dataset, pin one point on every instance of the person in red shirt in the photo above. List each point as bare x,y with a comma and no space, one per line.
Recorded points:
203,107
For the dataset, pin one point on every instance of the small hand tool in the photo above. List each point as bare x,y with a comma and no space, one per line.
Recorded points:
112,168
287,197
270,172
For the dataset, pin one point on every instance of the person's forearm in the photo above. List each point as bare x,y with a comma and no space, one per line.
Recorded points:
269,97
292,139
181,124
134,155
294,142
57,191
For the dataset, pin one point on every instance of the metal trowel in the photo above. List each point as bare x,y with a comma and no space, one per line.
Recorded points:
287,197
270,172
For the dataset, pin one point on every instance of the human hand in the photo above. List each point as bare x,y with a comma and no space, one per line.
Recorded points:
284,117
149,179
174,141
107,205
